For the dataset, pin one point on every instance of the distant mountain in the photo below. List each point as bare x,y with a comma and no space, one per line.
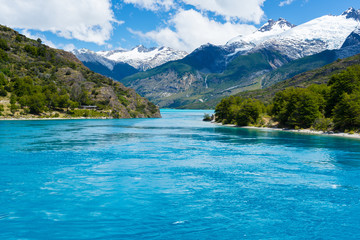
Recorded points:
210,58
350,47
143,58
317,76
267,31
276,51
104,66
118,64
42,82
324,33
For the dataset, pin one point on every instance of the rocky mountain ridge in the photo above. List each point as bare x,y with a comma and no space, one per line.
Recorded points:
140,57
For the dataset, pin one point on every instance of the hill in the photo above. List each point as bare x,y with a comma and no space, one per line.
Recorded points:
39,81
320,75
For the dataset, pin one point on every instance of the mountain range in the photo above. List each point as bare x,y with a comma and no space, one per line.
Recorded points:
118,64
276,51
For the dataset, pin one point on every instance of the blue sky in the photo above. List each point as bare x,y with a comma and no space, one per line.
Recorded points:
181,24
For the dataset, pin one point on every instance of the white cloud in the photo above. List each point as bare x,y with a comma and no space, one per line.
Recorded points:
66,47
245,10
286,2
28,34
192,29
153,5
85,20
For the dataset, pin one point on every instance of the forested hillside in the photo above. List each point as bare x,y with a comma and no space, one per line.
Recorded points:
326,107
39,81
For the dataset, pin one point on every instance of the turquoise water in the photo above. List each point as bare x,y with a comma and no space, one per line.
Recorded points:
174,178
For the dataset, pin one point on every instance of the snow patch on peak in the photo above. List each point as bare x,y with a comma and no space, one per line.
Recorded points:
352,13
139,57
86,55
271,25
268,30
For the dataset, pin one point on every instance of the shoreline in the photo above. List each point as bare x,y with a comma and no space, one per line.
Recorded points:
35,119
302,131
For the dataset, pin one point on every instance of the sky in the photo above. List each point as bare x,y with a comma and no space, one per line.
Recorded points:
180,24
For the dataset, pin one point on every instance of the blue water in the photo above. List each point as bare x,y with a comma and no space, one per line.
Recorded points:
174,178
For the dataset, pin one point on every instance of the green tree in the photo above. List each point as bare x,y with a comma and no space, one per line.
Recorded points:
249,112
3,81
223,110
36,103
297,107
345,82
347,112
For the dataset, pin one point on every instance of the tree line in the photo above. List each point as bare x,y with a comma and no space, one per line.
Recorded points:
328,107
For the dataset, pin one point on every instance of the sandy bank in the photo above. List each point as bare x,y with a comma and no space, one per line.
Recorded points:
302,131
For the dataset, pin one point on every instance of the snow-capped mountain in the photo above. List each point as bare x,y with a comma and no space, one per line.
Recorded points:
139,57
143,58
268,30
86,55
325,33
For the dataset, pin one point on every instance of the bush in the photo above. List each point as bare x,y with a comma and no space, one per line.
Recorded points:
3,81
4,44
323,124
3,92
3,56
32,50
207,117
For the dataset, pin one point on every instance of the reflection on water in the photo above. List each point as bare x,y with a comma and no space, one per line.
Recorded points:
174,178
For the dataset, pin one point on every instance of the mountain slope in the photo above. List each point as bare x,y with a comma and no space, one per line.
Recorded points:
104,66
176,84
38,81
310,62
324,33
317,76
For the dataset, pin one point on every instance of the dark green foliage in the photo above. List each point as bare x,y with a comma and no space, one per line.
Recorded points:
335,106
249,112
3,92
323,124
207,117
297,107
3,56
32,50
239,111
223,110
18,38
4,45
345,82
3,81
36,103
347,112
12,99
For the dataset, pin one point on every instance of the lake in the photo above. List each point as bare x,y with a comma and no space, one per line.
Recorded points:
174,178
